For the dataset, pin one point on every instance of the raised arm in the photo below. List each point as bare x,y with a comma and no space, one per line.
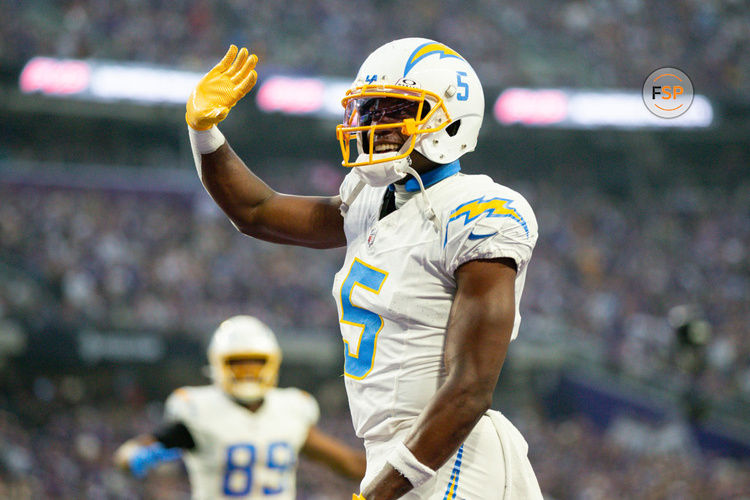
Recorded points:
339,456
142,453
477,339
252,206
259,211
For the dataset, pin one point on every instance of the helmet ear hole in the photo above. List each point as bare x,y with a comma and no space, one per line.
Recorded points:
452,129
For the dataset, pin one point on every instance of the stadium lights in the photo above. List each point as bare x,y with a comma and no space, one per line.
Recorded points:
590,109
302,96
106,81
319,96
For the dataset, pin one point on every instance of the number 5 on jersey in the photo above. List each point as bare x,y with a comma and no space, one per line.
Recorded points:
358,359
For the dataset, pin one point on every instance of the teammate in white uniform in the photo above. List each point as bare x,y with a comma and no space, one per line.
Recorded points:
435,266
241,436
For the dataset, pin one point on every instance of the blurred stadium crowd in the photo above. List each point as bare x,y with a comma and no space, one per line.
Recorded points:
68,456
608,269
607,43
155,261
607,272
605,275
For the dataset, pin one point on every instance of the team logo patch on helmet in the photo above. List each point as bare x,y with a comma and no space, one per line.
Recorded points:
427,49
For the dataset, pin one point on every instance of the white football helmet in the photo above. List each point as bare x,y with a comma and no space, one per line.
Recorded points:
244,358
439,87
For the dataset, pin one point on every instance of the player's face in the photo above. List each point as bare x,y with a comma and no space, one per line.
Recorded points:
385,110
246,369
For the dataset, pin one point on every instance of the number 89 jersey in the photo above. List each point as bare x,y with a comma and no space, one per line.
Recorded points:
239,453
396,287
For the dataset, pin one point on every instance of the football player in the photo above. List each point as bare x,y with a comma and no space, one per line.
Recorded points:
428,294
241,436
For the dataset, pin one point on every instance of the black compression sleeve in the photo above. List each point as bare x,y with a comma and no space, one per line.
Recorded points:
175,435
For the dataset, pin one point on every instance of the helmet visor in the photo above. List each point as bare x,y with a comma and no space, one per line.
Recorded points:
362,112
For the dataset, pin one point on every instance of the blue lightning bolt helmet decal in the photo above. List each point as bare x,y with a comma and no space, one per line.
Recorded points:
427,49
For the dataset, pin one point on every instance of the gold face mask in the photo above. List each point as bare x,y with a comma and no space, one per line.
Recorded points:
249,376
372,108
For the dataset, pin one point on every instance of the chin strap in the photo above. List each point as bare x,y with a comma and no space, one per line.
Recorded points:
345,204
429,212
376,175
405,168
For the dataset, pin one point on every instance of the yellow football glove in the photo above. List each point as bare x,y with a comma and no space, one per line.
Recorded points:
357,497
221,88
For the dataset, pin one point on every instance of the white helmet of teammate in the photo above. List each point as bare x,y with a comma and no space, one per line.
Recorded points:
439,87
244,358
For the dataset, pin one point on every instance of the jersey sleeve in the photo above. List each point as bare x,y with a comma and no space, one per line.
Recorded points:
175,435
179,407
307,408
497,225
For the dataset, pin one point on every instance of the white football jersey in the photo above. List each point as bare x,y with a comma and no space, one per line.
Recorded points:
239,453
395,290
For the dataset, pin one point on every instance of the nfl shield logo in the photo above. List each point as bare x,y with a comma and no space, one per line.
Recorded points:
371,236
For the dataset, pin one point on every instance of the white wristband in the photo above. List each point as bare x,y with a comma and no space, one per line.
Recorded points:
203,142
404,461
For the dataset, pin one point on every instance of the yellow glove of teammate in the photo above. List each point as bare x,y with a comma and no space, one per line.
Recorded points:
357,497
221,88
